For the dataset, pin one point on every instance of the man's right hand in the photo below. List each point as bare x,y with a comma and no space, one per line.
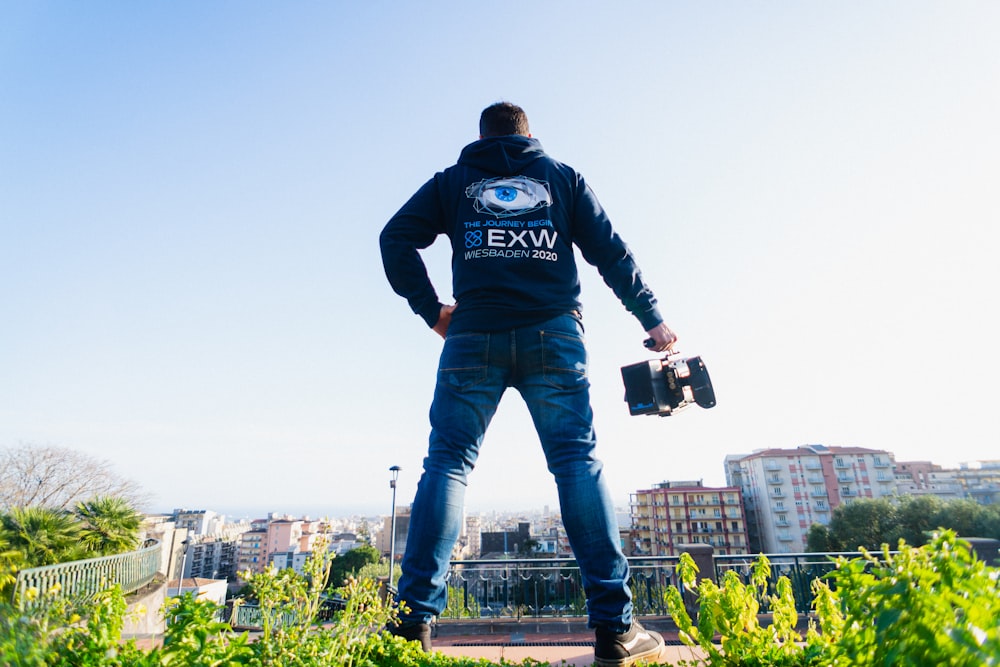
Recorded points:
661,337
444,320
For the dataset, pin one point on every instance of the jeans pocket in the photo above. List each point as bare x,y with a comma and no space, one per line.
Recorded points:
564,359
464,360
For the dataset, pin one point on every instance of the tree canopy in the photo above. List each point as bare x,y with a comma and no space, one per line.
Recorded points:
872,522
349,563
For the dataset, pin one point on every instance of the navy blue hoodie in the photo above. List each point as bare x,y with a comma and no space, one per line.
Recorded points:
512,214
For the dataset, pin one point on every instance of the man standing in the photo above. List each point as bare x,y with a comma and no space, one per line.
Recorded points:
513,215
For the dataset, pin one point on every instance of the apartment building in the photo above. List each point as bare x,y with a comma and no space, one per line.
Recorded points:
382,542
253,548
687,512
923,478
785,491
200,522
212,558
981,481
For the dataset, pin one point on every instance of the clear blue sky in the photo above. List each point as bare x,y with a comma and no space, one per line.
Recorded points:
191,194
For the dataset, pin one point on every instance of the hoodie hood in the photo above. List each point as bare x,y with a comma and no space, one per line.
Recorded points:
504,156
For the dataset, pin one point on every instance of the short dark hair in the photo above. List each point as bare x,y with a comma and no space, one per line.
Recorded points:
501,119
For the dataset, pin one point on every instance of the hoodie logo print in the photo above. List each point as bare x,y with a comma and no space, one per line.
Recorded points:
507,197
473,239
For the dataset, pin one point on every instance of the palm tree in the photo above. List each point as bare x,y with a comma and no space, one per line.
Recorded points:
43,536
9,561
110,525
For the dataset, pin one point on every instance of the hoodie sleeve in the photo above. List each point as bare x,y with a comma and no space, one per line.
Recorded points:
603,248
414,227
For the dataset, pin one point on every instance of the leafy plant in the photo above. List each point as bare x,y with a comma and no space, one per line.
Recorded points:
730,611
931,605
936,605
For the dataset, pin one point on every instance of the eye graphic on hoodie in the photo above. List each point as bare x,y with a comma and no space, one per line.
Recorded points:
509,196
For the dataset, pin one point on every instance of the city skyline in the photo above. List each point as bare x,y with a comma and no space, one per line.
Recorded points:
191,195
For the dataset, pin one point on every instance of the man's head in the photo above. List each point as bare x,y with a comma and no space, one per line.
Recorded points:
501,119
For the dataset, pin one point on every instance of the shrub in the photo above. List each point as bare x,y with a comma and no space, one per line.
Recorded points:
931,605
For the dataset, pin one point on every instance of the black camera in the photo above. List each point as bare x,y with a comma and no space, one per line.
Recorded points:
668,385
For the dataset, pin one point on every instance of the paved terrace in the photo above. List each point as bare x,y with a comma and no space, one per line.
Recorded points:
559,641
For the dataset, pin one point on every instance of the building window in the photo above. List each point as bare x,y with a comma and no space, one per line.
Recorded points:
735,525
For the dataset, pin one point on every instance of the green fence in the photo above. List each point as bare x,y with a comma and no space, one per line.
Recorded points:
84,578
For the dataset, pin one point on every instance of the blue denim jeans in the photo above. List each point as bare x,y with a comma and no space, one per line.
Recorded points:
547,364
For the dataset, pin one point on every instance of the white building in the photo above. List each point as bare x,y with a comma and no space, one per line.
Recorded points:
785,491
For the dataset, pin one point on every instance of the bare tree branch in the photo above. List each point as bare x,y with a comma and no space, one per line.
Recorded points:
58,478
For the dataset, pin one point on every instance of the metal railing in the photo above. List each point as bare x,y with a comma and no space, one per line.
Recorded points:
537,587
534,587
522,588
85,578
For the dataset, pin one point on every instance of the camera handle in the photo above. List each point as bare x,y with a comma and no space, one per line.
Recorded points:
649,343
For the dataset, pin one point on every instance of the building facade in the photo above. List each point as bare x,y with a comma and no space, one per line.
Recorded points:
785,491
672,514
212,558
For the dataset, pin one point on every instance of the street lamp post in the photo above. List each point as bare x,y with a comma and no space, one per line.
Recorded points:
180,577
392,522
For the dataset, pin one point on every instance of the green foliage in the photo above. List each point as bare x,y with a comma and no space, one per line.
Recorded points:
818,539
42,536
865,523
56,632
10,560
194,637
109,525
102,526
730,612
348,565
871,522
931,605
936,605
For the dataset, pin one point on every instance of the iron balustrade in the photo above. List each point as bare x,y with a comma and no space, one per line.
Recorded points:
519,588
545,587
540,587
85,578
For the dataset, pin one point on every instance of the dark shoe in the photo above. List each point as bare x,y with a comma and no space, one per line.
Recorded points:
613,649
414,632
